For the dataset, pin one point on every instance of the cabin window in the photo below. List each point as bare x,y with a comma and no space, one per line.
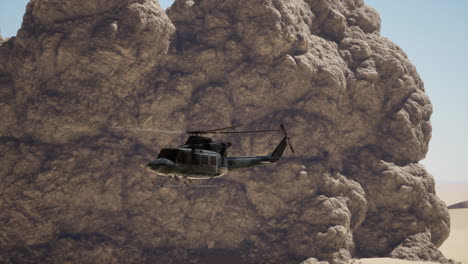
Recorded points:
212,160
204,160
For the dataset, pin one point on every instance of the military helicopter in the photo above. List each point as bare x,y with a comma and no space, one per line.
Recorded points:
201,158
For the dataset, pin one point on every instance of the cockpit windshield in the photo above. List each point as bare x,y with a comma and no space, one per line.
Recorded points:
170,154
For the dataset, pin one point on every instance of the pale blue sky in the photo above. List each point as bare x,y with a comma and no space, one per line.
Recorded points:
434,34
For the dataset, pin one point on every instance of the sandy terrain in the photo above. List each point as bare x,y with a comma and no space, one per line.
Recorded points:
386,261
456,246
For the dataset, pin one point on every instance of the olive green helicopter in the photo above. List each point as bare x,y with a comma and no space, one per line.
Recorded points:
201,158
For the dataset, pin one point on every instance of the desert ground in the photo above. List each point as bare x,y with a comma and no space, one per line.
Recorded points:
386,261
456,246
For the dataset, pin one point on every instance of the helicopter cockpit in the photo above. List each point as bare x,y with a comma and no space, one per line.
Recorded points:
169,154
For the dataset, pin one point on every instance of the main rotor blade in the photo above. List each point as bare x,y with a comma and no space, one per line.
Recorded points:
196,132
211,131
242,132
224,128
153,130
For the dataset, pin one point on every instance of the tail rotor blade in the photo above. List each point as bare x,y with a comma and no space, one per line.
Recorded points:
286,136
284,130
289,144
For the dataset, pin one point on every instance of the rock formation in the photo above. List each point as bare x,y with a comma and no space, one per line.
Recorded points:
75,190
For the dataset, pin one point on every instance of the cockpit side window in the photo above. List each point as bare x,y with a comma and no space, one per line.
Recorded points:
183,157
170,154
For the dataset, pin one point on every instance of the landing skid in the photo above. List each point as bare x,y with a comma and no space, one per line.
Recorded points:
186,182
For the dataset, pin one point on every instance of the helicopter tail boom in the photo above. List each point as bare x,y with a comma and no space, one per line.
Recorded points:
243,162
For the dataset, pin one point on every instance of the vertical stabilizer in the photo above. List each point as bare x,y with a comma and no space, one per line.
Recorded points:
278,152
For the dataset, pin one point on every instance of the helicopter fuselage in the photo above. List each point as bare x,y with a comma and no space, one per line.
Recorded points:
199,164
189,163
202,158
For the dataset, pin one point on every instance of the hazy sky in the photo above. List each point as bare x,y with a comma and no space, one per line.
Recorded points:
434,34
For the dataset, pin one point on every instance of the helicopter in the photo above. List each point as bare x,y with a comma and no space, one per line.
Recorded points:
201,158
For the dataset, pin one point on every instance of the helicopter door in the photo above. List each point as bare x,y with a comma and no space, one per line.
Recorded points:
190,162
208,163
183,160
214,163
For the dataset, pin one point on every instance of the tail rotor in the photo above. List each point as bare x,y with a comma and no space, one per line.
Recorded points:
286,136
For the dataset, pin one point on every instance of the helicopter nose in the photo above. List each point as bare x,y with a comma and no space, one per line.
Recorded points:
161,165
